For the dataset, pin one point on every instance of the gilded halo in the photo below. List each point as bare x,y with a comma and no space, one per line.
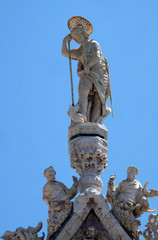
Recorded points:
80,21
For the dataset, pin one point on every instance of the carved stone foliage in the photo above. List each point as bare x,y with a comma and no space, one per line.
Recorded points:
29,233
88,154
127,219
151,232
58,212
129,200
57,196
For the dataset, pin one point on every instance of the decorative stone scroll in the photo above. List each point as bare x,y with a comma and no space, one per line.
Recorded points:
29,233
151,232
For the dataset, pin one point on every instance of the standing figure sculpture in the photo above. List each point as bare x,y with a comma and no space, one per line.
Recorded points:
94,85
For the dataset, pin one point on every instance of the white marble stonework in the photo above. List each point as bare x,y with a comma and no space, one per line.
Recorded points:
88,154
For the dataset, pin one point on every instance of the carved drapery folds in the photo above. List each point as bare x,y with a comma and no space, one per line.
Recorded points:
57,196
94,85
29,233
129,200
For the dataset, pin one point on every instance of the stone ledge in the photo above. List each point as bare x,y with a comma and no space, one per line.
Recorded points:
87,129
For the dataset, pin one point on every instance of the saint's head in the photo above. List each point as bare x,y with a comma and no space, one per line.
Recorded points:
49,173
79,34
132,173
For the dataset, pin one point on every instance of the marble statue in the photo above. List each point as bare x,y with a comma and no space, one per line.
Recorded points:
24,234
94,85
57,196
129,200
151,232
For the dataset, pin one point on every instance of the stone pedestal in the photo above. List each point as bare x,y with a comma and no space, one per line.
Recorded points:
88,154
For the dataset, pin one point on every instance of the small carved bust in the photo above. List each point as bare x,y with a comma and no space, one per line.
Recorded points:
91,233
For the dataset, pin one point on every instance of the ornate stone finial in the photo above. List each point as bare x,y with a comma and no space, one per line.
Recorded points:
88,154
94,86
129,200
29,233
57,196
151,232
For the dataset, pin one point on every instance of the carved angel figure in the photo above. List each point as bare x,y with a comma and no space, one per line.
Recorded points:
92,70
129,200
29,233
57,196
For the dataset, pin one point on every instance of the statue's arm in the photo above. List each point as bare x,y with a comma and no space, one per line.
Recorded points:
74,189
46,197
117,190
75,53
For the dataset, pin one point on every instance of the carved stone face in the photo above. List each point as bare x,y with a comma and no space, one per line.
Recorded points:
91,232
49,173
79,35
132,173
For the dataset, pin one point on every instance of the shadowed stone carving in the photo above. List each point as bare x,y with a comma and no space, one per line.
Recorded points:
91,233
151,232
29,233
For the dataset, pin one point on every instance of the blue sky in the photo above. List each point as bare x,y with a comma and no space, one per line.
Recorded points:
35,96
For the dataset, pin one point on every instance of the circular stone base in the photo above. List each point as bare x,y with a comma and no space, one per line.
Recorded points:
87,129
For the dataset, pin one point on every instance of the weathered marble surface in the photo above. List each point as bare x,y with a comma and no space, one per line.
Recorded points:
94,85
88,129
29,233
92,233
57,196
88,154
129,200
92,206
151,232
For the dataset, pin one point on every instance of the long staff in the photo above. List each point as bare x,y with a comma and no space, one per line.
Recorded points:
107,66
72,91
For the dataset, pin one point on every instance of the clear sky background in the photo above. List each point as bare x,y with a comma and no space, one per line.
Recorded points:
35,97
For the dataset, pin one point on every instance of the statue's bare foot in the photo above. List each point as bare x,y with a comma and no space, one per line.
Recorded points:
82,116
74,115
